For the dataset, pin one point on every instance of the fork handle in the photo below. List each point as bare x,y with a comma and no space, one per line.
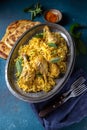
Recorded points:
48,109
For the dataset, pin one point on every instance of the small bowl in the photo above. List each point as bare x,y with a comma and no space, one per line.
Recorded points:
53,16
10,69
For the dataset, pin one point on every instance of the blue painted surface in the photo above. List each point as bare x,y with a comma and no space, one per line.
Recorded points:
16,114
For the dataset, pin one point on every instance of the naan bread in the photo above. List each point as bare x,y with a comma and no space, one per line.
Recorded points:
4,50
13,33
13,26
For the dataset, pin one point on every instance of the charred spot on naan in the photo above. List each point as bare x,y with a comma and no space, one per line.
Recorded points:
4,50
16,24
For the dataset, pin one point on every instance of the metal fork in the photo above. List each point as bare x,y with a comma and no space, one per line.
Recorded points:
77,88
76,92
78,82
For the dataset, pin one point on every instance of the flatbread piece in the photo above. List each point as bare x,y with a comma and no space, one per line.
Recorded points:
13,32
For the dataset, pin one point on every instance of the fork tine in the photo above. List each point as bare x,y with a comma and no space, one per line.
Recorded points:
80,89
83,86
78,82
75,84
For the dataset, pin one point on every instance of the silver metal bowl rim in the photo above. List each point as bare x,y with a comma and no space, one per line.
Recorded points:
67,77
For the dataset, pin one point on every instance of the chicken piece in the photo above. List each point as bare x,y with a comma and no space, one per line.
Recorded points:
28,73
41,66
48,36
61,53
54,70
62,66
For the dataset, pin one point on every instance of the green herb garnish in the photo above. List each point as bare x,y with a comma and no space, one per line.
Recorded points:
73,30
76,34
52,45
34,10
55,60
18,65
38,74
82,48
40,35
53,52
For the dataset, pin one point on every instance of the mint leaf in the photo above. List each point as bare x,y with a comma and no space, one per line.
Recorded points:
55,60
75,31
40,35
19,67
52,45
82,48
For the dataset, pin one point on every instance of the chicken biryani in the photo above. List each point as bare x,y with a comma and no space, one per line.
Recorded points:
41,61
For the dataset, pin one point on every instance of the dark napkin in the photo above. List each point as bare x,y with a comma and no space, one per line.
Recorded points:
74,110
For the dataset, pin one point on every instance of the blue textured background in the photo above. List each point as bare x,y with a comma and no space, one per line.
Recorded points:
16,114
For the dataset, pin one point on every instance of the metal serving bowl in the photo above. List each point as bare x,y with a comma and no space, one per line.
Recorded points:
10,69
